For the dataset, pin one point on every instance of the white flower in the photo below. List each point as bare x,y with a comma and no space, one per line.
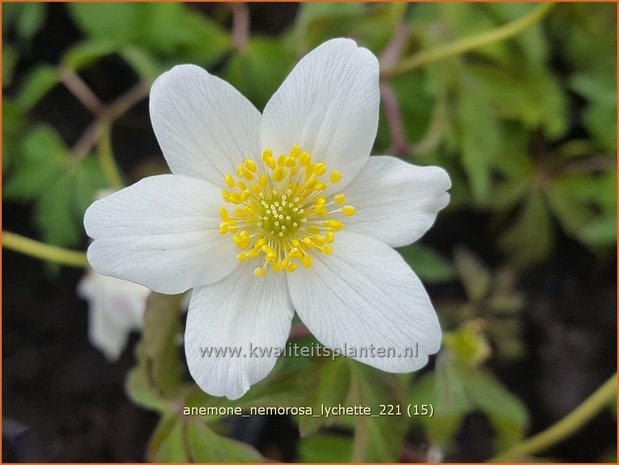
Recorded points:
115,307
267,214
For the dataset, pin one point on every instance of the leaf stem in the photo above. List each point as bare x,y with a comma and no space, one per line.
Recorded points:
106,158
43,251
469,43
564,427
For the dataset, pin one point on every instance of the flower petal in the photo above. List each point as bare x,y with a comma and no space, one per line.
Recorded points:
396,202
161,232
240,312
329,106
204,125
115,308
365,295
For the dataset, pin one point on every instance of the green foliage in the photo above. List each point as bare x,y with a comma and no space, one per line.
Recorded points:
170,32
325,448
188,439
36,85
376,439
456,390
23,19
427,263
61,186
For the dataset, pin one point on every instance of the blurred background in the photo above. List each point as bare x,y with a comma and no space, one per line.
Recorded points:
521,266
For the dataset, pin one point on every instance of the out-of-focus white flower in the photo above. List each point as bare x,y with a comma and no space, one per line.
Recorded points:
115,308
267,214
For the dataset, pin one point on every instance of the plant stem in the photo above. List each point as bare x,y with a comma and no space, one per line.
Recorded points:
106,158
469,43
564,427
43,251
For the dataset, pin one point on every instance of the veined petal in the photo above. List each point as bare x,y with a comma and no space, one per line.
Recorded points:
329,106
364,295
241,312
161,232
396,202
204,125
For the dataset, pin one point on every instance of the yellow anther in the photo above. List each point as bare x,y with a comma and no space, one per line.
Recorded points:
348,210
248,174
339,198
305,159
320,169
333,224
278,174
229,180
291,267
253,253
270,162
277,217
261,271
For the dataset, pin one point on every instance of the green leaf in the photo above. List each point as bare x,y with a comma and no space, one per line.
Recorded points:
42,160
321,448
585,205
475,276
329,389
530,237
163,30
376,439
445,393
506,412
38,83
259,69
480,138
601,114
10,56
278,389
158,352
144,65
167,442
206,446
428,264
108,21
85,53
26,19
141,393
13,126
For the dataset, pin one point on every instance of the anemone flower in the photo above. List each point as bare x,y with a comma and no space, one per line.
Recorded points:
267,214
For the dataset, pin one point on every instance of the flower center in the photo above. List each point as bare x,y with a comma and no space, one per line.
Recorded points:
279,211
